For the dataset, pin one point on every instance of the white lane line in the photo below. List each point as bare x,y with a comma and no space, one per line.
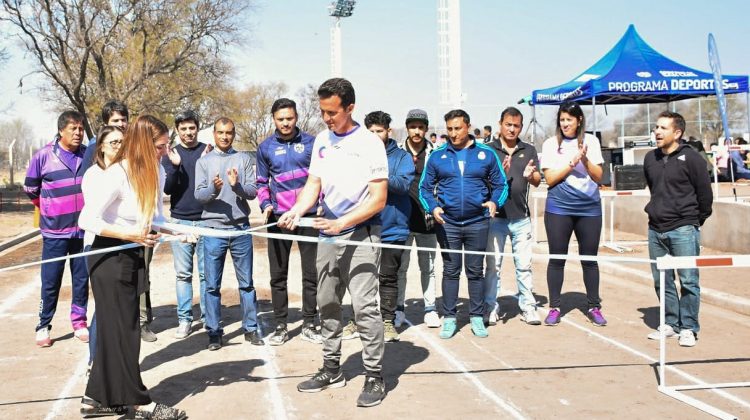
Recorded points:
276,397
453,360
622,346
19,295
62,398
673,369
280,406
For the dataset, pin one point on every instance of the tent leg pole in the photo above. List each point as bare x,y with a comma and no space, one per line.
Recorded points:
700,119
533,125
593,105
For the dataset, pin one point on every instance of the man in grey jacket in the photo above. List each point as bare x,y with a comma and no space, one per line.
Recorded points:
224,181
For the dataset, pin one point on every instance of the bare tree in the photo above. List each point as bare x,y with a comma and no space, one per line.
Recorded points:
18,133
703,120
253,108
157,56
308,110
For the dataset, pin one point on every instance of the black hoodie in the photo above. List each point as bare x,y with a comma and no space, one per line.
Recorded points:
680,189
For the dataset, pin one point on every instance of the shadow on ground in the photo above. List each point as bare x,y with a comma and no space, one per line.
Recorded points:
174,389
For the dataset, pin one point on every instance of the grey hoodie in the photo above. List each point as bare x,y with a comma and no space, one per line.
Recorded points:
228,206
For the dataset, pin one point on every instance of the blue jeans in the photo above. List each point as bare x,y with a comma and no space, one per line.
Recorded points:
182,253
472,237
215,252
52,274
519,231
684,241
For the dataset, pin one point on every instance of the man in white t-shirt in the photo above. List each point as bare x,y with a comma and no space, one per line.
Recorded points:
349,171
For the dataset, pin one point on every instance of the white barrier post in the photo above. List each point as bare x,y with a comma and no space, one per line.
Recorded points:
662,335
536,224
612,220
603,233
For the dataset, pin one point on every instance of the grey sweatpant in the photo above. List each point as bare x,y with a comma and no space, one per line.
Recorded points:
355,268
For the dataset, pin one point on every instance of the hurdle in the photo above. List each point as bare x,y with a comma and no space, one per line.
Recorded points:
612,244
675,391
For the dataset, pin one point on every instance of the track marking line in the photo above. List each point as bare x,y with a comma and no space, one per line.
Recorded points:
62,398
638,353
278,402
504,404
19,295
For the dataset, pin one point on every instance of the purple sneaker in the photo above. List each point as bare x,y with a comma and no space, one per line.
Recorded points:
596,317
553,317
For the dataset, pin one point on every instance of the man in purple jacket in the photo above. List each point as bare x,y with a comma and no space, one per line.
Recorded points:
53,183
282,163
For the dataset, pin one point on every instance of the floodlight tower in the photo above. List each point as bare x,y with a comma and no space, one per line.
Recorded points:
337,10
449,53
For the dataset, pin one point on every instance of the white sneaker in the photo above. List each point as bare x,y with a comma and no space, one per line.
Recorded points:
492,318
687,338
400,318
82,334
42,338
432,319
183,330
669,333
531,317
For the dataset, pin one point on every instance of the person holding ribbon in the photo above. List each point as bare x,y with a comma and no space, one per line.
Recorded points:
120,207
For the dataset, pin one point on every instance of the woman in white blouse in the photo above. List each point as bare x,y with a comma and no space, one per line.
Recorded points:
120,206
572,165
108,142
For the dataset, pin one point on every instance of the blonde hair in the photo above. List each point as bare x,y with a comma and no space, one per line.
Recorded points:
142,166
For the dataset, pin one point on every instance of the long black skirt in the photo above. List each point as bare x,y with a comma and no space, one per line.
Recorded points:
117,279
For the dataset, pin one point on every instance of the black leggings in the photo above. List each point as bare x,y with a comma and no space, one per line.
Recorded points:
559,229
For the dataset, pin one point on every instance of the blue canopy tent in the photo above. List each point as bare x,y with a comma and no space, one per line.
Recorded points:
633,72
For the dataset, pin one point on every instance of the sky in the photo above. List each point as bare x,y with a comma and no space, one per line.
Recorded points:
509,48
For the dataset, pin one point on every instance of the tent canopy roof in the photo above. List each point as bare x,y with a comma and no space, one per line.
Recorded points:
633,72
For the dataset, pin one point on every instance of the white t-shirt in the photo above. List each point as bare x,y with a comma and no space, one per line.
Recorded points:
345,165
577,194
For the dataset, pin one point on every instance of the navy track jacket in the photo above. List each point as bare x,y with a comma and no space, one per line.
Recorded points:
461,195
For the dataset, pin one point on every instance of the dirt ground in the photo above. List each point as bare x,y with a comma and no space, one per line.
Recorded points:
574,370
14,223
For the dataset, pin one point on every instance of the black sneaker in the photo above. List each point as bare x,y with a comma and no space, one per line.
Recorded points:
372,393
322,380
214,342
146,334
254,338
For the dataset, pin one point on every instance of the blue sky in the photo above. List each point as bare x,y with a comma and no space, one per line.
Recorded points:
509,49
